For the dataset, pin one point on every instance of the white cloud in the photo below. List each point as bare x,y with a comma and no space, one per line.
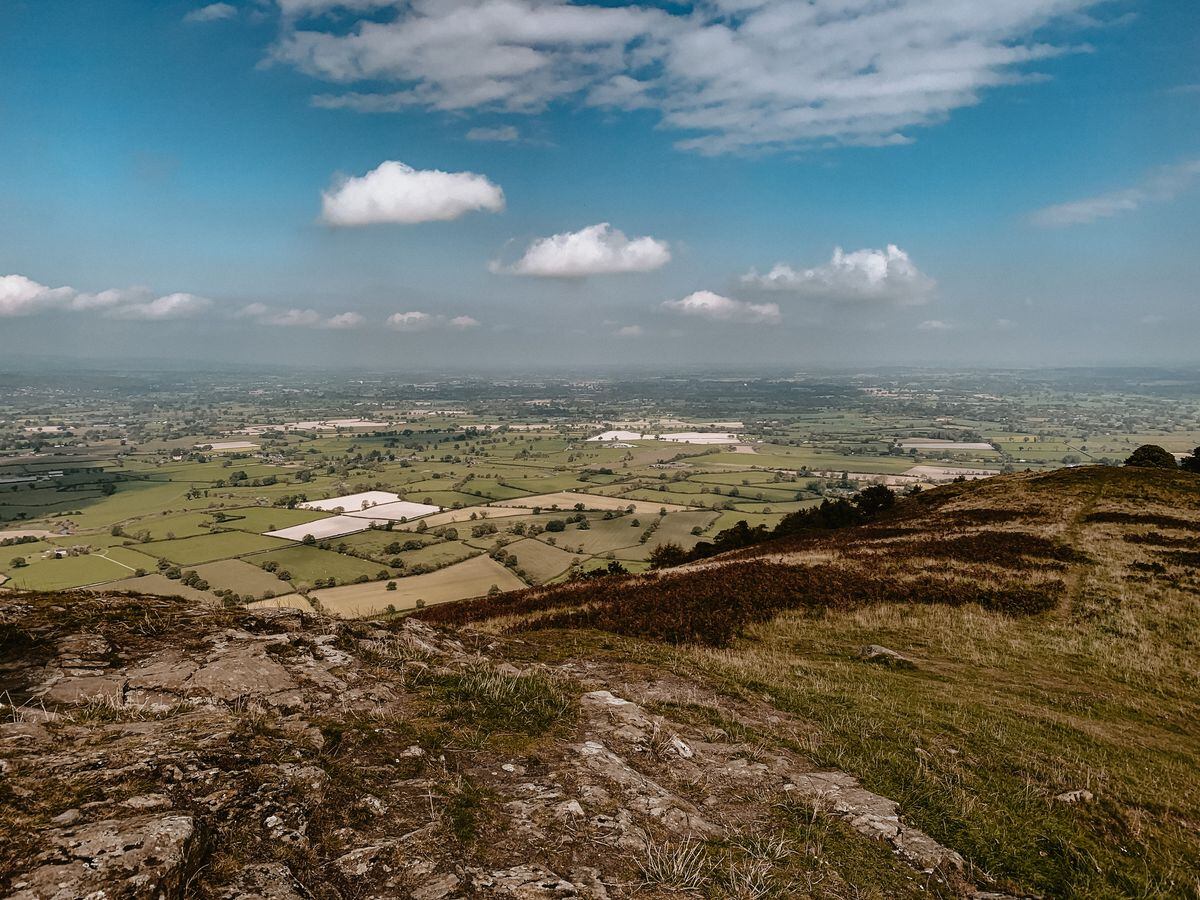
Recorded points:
21,296
416,320
504,134
172,306
298,318
211,13
293,318
1162,184
411,321
301,8
396,193
252,311
935,325
113,297
629,331
883,275
345,321
595,250
708,305
732,77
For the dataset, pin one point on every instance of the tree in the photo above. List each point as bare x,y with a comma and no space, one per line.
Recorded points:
18,562
309,540
874,499
1151,456
1191,463
667,555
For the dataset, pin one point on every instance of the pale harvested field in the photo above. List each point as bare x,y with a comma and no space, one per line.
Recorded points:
948,473
464,515
470,578
926,444
27,532
353,502
566,501
401,509
226,446
334,526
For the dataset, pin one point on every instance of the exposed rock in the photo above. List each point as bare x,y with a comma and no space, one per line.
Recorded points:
137,857
237,672
80,689
1078,796
265,881
436,888
527,882
885,656
292,737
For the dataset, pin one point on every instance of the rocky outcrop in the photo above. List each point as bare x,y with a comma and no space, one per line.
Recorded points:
139,856
151,751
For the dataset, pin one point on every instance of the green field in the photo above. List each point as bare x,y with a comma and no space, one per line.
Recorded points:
209,547
241,577
541,561
307,564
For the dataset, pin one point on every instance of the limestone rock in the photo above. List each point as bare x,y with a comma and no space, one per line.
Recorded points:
141,857
885,656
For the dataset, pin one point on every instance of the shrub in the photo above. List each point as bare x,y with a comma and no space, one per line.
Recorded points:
1151,456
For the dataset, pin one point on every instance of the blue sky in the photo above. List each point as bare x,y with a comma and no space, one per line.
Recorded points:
260,180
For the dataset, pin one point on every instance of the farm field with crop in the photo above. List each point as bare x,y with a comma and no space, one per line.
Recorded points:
471,578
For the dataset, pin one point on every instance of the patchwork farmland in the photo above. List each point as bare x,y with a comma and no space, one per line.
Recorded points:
335,502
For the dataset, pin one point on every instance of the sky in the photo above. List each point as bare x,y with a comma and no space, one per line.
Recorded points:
520,184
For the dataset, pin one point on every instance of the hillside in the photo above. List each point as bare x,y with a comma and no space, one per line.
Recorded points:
1024,725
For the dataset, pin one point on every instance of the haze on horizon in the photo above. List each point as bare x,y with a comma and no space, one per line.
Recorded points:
499,183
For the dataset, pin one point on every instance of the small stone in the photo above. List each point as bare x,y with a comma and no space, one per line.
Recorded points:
568,809
70,817
885,656
1078,796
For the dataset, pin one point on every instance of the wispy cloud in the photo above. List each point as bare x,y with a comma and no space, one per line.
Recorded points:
298,318
173,306
708,305
1160,185
211,13
729,75
935,325
21,296
503,134
416,320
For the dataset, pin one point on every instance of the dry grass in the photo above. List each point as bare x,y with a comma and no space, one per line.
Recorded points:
1099,689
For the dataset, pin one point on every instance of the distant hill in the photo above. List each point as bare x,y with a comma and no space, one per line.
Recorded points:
990,690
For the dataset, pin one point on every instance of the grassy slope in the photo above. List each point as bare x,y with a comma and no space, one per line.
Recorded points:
1101,690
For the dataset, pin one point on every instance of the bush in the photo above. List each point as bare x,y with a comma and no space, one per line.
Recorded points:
1151,456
